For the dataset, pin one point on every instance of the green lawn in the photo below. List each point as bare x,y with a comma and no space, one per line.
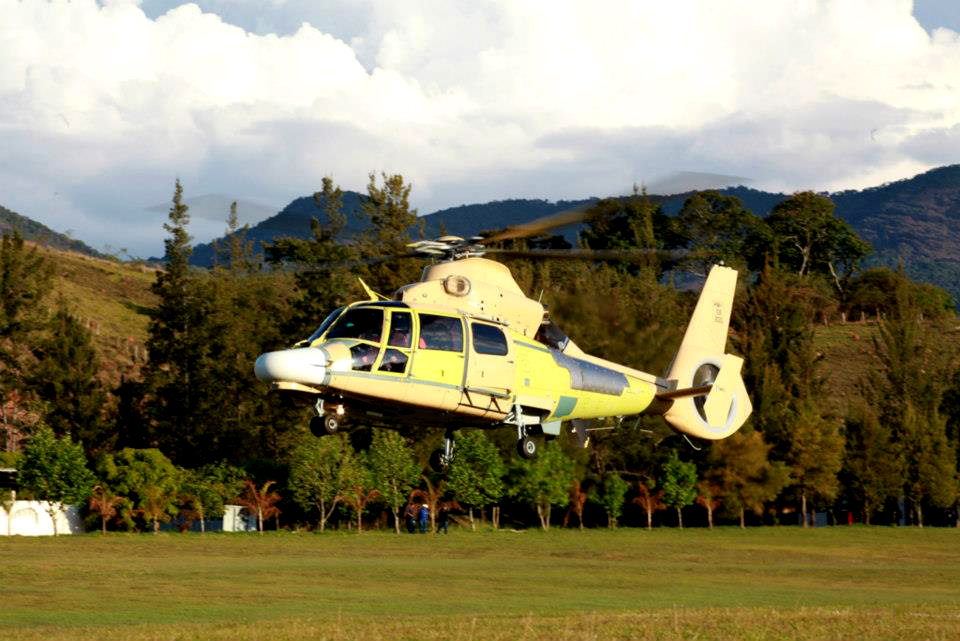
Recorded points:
776,583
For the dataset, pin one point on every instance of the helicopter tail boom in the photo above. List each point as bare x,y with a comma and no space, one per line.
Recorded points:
708,398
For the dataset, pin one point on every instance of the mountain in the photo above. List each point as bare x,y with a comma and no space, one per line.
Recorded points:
464,220
915,221
293,220
41,234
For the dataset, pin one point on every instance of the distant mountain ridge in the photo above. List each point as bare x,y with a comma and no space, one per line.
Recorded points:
41,234
464,220
914,222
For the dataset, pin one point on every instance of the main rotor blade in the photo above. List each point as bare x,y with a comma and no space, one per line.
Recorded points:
364,262
540,225
626,255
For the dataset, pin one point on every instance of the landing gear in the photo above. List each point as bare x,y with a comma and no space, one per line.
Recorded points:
326,423
526,446
440,459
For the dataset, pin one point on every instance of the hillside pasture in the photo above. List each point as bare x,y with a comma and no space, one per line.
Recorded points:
760,583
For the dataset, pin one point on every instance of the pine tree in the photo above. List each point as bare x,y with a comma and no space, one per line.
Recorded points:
774,331
387,208
178,373
64,377
911,379
872,467
322,282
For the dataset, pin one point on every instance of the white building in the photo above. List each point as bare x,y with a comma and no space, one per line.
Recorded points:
32,518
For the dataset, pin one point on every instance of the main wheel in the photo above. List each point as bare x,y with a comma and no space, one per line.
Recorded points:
330,424
527,447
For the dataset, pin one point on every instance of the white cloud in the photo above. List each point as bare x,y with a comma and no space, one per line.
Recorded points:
103,105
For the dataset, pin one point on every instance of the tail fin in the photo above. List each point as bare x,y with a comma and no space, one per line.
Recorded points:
717,403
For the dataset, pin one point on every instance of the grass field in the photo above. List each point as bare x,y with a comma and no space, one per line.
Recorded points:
762,583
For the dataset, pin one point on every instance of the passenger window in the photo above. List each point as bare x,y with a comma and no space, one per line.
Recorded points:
488,339
394,361
400,329
362,357
363,323
441,332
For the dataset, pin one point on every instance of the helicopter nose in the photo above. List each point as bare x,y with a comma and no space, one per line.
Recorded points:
301,365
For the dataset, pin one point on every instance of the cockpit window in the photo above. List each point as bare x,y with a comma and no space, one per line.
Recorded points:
551,336
363,323
441,332
325,324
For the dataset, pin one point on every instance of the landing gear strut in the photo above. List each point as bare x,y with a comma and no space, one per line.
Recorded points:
440,459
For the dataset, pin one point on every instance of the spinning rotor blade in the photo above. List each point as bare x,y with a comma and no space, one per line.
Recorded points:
364,262
626,255
683,182
540,225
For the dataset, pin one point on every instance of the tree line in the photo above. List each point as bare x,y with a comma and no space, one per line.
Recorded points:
197,412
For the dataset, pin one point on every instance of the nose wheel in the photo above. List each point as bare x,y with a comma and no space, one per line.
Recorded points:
326,423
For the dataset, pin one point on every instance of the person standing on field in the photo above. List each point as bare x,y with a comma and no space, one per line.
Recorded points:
424,518
410,514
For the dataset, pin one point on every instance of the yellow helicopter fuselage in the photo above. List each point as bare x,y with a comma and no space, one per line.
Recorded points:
465,347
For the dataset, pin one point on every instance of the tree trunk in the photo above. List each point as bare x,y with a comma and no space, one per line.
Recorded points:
396,518
473,525
919,515
679,518
259,521
544,514
495,517
743,521
649,519
53,517
103,519
710,517
803,507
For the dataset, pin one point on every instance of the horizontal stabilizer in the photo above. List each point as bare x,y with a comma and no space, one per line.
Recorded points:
702,390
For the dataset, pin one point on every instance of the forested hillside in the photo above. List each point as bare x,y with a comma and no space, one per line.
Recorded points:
853,373
33,231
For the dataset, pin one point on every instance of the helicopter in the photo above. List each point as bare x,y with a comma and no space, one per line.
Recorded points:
465,348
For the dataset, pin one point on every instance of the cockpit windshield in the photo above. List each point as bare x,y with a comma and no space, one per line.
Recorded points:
325,324
363,323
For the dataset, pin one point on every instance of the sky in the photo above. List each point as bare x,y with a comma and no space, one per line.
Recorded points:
103,105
